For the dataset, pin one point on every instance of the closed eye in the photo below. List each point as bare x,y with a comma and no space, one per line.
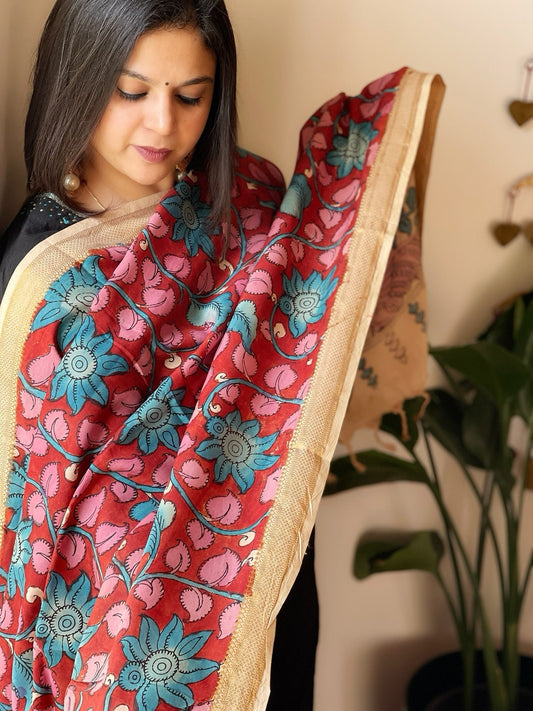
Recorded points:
189,100
130,97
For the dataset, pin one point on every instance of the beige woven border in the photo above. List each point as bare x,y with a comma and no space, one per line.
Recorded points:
243,683
42,265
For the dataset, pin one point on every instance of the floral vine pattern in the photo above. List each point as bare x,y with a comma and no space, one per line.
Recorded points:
158,392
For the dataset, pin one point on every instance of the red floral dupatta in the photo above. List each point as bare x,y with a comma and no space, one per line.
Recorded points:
169,416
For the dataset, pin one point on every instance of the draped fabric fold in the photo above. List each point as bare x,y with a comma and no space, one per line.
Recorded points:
170,414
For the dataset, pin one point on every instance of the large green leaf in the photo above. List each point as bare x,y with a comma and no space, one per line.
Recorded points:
524,350
417,551
443,419
489,367
376,468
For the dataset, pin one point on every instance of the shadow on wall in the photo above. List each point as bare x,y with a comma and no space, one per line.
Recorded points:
21,25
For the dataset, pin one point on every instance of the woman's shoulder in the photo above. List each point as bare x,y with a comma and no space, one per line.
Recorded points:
40,216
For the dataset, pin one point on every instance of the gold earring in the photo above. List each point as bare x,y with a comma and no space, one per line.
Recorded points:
71,182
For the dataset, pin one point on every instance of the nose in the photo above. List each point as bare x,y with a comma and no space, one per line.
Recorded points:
161,114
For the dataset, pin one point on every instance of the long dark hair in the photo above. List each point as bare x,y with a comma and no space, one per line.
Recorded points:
83,49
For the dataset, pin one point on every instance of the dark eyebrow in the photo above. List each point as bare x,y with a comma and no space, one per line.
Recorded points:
197,80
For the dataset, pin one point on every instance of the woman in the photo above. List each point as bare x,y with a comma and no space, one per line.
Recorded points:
78,111
165,105
167,357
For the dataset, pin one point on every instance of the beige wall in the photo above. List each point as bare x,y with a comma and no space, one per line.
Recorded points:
20,27
294,54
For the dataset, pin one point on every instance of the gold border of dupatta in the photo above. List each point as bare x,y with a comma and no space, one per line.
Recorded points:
406,145
30,280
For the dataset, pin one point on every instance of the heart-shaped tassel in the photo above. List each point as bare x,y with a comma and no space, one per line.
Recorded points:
521,111
505,232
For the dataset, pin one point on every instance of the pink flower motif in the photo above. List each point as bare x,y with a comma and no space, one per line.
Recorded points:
264,406
50,479
297,249
150,272
36,508
255,243
100,301
6,618
224,509
228,620
170,335
369,109
125,402
193,474
379,84
230,394
270,488
109,535
47,680
157,226
41,555
161,473
110,582
260,282
251,218
90,434
40,369
348,193
306,344
280,377
206,281
178,558
325,119
133,560
329,257
87,510
290,424
31,441
201,537
127,269
96,670
55,423
159,301
129,466
187,442
144,364
31,405
319,141
149,591
313,233
198,604
179,266
330,218
117,618
325,177
131,325
189,367
220,570
245,362
71,547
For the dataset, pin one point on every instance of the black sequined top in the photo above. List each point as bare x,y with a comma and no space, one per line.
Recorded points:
39,217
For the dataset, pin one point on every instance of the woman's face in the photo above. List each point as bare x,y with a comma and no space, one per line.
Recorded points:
154,118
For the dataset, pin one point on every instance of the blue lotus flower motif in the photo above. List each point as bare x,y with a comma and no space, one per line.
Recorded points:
69,298
63,616
191,216
304,300
161,664
82,369
237,449
156,419
297,197
350,150
20,557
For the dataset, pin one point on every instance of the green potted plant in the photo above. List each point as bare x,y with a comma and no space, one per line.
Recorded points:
489,390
